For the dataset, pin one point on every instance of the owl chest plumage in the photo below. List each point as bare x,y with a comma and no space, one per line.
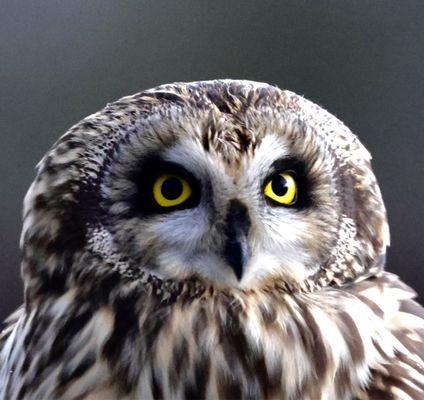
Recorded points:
215,345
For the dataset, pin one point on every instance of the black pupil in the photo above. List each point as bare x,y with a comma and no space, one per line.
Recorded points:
172,188
279,185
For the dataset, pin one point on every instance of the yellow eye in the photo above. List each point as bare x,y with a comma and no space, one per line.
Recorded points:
282,189
171,190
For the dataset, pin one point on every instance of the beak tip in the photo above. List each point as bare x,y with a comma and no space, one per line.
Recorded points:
236,255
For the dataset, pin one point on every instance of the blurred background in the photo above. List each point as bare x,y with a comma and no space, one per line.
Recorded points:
362,60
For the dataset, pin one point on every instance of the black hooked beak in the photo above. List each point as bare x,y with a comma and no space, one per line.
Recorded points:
237,226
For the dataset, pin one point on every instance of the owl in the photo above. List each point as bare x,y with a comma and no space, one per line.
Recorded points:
210,240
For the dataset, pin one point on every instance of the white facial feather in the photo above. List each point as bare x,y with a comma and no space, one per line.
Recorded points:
191,240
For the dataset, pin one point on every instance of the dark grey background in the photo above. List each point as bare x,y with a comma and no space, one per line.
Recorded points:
362,60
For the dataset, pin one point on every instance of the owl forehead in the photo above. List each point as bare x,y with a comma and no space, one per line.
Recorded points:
248,143
236,164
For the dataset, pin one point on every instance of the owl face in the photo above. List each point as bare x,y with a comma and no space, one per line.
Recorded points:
234,183
233,201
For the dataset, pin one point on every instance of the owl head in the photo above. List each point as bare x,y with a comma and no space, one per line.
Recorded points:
232,183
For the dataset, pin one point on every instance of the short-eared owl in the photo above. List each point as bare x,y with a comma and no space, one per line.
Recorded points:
222,239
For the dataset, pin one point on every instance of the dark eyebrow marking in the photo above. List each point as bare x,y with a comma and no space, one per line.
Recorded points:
287,164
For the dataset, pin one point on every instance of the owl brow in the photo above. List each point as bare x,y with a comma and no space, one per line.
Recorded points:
154,165
287,164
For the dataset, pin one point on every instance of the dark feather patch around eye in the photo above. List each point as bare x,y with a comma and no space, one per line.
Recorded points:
298,169
146,173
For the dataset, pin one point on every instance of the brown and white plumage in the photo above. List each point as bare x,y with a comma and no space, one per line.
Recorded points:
125,300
